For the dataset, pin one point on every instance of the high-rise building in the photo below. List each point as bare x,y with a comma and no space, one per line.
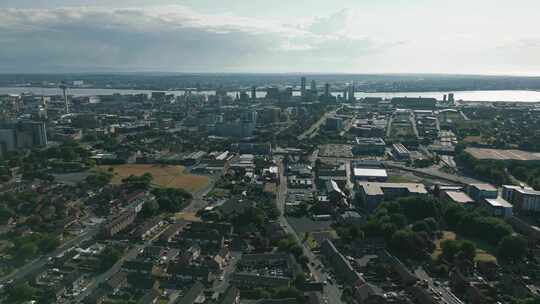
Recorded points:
303,87
351,92
451,97
253,92
313,87
327,89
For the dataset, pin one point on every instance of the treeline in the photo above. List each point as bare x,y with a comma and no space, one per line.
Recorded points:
494,171
411,225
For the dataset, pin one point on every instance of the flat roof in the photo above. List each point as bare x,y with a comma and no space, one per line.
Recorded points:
484,187
498,202
378,188
370,172
459,197
499,154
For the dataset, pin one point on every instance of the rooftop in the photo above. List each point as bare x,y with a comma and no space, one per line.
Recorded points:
370,172
378,188
459,197
497,154
498,202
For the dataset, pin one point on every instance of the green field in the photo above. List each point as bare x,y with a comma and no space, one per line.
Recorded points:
163,176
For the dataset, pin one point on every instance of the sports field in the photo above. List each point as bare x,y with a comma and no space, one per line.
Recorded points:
163,175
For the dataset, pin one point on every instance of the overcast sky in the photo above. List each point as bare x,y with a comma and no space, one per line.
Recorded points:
344,36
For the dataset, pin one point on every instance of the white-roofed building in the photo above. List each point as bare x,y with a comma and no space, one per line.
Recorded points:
368,174
498,206
458,197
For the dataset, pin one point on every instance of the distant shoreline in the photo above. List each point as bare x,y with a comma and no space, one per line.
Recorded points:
525,96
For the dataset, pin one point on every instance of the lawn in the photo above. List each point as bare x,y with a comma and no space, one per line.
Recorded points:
400,179
163,176
186,216
482,249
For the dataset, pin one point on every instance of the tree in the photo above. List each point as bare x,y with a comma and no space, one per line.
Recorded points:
512,248
138,182
21,293
467,250
149,209
98,180
27,250
108,258
48,243
68,154
171,199
5,214
410,244
453,249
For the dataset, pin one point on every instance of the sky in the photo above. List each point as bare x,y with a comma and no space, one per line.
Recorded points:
495,37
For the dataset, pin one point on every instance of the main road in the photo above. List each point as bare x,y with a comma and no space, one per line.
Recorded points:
35,266
315,127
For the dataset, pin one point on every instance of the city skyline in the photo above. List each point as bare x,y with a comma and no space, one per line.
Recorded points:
67,36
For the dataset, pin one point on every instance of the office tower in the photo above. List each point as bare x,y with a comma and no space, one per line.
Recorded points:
444,98
313,87
451,97
344,97
253,92
351,92
327,89
303,87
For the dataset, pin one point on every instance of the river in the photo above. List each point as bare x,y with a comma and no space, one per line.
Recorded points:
504,95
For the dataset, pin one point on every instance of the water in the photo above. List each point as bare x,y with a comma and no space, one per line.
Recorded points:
507,95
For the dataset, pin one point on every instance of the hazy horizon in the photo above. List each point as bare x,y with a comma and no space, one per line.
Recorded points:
491,38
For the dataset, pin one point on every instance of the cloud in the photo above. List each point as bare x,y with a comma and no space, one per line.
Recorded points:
161,38
385,38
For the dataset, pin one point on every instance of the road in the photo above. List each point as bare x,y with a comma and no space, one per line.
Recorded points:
37,265
389,126
331,291
433,172
314,127
96,281
412,119
447,297
131,254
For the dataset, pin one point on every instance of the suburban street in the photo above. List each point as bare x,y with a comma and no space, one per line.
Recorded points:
331,291
441,291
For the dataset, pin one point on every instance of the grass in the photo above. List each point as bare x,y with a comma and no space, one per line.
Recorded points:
399,179
482,248
165,176
186,216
